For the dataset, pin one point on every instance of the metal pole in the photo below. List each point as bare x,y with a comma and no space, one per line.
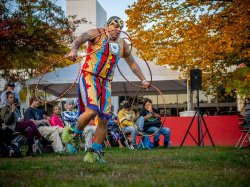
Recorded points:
198,118
45,95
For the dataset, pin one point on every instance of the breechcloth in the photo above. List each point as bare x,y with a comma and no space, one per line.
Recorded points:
94,92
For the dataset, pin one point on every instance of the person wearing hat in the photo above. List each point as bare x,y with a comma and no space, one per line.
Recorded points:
126,118
104,50
70,116
10,87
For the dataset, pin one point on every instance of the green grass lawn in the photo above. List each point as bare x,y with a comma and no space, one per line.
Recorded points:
186,166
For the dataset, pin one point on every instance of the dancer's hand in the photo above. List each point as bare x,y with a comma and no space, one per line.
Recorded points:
72,55
145,84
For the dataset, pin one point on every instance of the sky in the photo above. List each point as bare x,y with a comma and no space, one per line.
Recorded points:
112,7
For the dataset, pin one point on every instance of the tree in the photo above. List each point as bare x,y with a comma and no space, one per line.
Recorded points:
33,34
210,35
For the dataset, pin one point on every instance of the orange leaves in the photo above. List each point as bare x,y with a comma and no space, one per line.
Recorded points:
211,35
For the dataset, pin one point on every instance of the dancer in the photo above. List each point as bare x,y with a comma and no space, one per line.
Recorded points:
104,50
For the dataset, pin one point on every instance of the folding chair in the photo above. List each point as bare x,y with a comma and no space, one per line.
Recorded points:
128,143
125,136
245,132
140,141
107,139
19,139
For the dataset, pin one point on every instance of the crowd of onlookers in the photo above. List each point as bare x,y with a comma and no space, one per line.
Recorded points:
37,130
36,126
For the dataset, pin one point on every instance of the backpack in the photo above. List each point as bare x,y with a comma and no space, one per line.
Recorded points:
10,151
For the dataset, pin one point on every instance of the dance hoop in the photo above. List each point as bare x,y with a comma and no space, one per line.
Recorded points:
138,86
79,71
62,94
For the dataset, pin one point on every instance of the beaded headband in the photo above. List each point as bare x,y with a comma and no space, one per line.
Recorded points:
115,20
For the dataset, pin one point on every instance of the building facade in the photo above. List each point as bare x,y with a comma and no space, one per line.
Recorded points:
91,10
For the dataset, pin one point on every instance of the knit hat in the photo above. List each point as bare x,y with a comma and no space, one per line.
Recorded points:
70,102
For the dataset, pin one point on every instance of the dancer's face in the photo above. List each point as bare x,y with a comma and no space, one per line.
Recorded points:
114,31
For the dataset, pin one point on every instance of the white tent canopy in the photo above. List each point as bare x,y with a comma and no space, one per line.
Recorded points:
166,80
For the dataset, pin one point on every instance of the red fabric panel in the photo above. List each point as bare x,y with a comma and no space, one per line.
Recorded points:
224,130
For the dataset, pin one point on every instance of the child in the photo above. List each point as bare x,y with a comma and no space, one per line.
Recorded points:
56,120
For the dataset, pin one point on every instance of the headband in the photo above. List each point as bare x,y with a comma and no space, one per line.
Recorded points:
115,20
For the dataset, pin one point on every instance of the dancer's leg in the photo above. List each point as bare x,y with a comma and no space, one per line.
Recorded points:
97,147
85,118
101,131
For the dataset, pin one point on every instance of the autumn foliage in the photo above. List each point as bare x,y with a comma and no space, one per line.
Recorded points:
33,34
210,35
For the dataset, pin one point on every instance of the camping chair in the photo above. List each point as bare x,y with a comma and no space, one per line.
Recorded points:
126,136
19,139
107,139
128,143
244,127
112,135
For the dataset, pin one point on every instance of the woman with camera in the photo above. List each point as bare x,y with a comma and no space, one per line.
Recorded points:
11,115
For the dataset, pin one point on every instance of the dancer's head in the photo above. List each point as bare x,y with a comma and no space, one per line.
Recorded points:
115,24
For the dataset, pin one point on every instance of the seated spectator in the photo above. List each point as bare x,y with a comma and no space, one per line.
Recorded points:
126,119
152,124
246,113
55,119
10,115
114,130
69,116
10,88
35,115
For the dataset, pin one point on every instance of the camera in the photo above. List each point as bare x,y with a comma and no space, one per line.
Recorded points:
16,101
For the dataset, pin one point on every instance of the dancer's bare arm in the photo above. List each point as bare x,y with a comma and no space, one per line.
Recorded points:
83,38
134,66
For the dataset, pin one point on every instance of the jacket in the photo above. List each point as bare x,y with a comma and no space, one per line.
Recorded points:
9,118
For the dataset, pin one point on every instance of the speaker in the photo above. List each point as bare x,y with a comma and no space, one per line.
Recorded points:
196,79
